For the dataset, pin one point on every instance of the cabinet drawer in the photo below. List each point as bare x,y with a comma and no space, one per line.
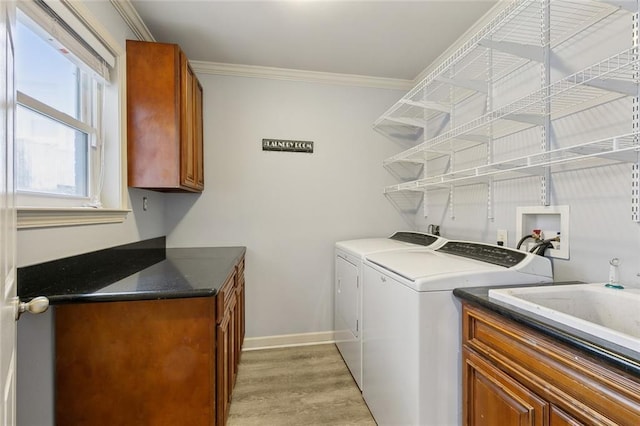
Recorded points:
579,385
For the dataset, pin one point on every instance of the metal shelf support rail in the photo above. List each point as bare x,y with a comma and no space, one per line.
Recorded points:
545,80
490,144
635,114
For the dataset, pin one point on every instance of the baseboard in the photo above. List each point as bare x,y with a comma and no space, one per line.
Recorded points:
285,340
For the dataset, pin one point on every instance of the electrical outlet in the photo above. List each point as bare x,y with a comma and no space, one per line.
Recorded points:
145,204
501,237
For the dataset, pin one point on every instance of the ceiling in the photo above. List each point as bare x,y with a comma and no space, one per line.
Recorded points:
389,39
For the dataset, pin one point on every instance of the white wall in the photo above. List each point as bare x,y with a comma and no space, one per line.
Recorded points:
44,244
288,209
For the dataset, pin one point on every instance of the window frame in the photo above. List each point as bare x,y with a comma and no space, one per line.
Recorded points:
114,206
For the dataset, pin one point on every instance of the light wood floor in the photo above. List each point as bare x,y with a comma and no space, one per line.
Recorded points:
306,385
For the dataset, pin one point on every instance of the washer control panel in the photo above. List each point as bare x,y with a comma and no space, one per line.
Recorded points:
496,255
415,238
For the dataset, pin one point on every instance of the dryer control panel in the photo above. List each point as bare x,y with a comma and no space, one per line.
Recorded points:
496,255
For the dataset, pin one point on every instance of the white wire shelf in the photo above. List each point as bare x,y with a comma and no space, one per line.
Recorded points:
406,202
609,79
406,172
623,148
516,36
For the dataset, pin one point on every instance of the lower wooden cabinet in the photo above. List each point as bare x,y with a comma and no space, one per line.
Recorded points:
513,375
136,362
494,398
152,362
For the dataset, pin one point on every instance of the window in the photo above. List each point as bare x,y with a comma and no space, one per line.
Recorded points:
68,80
57,134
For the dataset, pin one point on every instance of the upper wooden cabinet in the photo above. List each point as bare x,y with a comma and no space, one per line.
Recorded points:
164,113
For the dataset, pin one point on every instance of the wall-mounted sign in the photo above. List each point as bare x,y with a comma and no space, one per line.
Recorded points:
288,146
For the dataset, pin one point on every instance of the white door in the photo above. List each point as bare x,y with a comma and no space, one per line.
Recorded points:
8,300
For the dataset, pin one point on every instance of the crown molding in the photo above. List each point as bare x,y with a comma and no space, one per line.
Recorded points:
217,68
133,19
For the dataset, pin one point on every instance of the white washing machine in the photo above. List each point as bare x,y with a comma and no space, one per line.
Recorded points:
412,325
349,257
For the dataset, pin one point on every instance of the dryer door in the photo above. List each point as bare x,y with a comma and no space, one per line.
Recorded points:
347,299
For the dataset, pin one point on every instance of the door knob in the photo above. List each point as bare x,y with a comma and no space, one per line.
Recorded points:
37,305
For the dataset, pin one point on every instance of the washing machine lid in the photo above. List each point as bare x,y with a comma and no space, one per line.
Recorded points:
462,264
414,264
398,241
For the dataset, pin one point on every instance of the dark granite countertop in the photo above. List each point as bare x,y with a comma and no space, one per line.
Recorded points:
610,353
138,271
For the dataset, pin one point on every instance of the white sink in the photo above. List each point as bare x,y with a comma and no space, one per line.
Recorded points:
610,314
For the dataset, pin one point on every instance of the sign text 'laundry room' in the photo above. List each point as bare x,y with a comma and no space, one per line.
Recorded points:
287,146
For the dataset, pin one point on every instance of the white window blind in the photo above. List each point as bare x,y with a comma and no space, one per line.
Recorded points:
70,34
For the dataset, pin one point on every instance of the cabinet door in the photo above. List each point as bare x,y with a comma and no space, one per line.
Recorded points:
143,362
233,354
198,134
153,110
560,418
241,304
493,398
237,317
223,355
188,152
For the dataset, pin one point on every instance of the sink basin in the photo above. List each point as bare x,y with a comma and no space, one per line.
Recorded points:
610,314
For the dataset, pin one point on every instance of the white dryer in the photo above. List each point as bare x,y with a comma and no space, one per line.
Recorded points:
349,257
412,325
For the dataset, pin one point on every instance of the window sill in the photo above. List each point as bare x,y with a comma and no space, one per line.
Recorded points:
38,217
